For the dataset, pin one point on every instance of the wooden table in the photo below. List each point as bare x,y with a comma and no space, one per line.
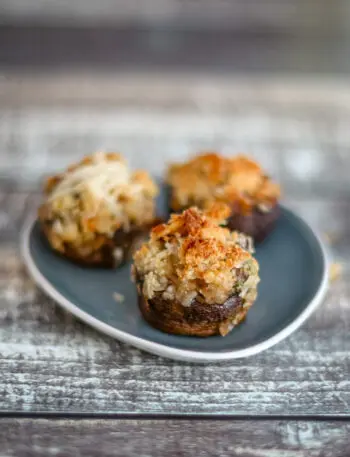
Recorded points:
66,389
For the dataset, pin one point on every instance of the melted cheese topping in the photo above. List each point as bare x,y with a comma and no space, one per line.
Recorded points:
101,176
98,196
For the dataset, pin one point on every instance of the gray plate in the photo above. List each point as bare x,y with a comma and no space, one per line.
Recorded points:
293,275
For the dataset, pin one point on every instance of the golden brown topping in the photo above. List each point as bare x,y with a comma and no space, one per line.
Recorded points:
192,256
207,178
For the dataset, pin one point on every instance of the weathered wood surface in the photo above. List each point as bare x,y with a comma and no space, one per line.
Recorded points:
50,362
157,438
298,130
239,14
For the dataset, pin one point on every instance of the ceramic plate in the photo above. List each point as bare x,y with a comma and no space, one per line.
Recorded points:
293,273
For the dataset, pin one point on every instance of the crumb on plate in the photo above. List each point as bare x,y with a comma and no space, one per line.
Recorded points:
119,298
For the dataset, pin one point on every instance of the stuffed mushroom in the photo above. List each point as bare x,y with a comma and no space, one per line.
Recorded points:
195,277
237,181
98,210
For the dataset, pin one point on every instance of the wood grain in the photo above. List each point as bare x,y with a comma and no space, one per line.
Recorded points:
49,362
298,130
248,13
25,437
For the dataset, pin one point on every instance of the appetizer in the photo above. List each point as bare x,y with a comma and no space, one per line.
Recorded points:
195,277
96,211
238,181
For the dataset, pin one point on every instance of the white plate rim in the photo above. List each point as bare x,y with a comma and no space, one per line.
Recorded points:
161,349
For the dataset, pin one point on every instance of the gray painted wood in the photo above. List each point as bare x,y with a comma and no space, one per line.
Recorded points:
26,437
298,130
317,42
50,362
305,14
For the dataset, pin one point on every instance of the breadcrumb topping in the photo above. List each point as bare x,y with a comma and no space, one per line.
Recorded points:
238,181
95,197
192,257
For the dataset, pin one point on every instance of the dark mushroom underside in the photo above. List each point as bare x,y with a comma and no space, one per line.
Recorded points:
111,252
198,319
257,224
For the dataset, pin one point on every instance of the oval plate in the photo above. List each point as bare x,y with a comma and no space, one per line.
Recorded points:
294,279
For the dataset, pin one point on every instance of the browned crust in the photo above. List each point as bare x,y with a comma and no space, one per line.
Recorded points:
210,177
202,238
199,319
257,223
